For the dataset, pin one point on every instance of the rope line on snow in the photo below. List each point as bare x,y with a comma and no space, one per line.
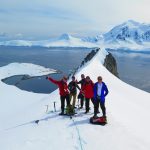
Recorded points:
78,132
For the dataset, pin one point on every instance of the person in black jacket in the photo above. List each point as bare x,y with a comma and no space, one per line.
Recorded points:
81,94
73,90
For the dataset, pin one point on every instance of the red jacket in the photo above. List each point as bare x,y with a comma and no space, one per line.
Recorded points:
88,89
63,87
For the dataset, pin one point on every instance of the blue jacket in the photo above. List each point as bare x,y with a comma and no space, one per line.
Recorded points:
104,91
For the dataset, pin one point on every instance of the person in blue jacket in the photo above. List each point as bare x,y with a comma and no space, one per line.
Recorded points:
100,92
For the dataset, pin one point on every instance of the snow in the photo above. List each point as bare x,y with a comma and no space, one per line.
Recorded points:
31,70
129,35
16,43
127,110
132,23
65,36
128,46
65,40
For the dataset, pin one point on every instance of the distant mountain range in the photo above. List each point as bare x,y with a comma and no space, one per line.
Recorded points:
130,34
129,31
64,40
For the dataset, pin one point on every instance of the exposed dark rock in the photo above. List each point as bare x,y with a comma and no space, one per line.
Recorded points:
111,64
86,59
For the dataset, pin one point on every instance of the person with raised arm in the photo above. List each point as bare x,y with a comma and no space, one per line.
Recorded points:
63,91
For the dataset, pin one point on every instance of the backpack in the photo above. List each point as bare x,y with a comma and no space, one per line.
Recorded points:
98,120
70,110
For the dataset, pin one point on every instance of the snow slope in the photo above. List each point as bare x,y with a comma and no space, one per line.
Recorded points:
12,100
127,109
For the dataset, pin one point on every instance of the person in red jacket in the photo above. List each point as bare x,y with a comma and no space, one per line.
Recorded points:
88,90
63,91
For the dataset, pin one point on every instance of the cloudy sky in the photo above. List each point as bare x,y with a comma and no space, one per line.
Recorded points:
46,18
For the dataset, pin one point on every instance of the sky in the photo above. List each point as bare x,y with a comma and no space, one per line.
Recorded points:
48,18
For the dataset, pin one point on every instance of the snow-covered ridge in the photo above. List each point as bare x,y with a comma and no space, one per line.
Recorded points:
127,110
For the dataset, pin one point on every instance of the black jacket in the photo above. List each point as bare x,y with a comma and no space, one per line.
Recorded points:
82,82
73,87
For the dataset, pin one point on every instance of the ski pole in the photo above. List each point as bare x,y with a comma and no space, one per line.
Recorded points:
78,104
55,106
47,108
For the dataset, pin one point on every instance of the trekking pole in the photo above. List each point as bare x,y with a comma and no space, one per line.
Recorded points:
47,108
55,106
78,105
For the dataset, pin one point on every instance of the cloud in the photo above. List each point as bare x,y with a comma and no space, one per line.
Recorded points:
58,16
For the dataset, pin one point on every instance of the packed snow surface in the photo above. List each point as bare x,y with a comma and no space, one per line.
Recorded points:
127,110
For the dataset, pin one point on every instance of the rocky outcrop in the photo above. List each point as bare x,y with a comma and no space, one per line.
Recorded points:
111,64
89,56
86,59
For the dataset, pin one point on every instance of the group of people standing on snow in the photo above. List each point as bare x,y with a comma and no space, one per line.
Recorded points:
89,91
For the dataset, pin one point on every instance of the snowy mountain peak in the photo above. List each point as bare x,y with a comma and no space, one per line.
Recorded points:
65,36
93,39
131,24
130,31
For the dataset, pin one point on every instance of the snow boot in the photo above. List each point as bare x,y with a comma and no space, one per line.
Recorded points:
87,111
95,117
62,113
